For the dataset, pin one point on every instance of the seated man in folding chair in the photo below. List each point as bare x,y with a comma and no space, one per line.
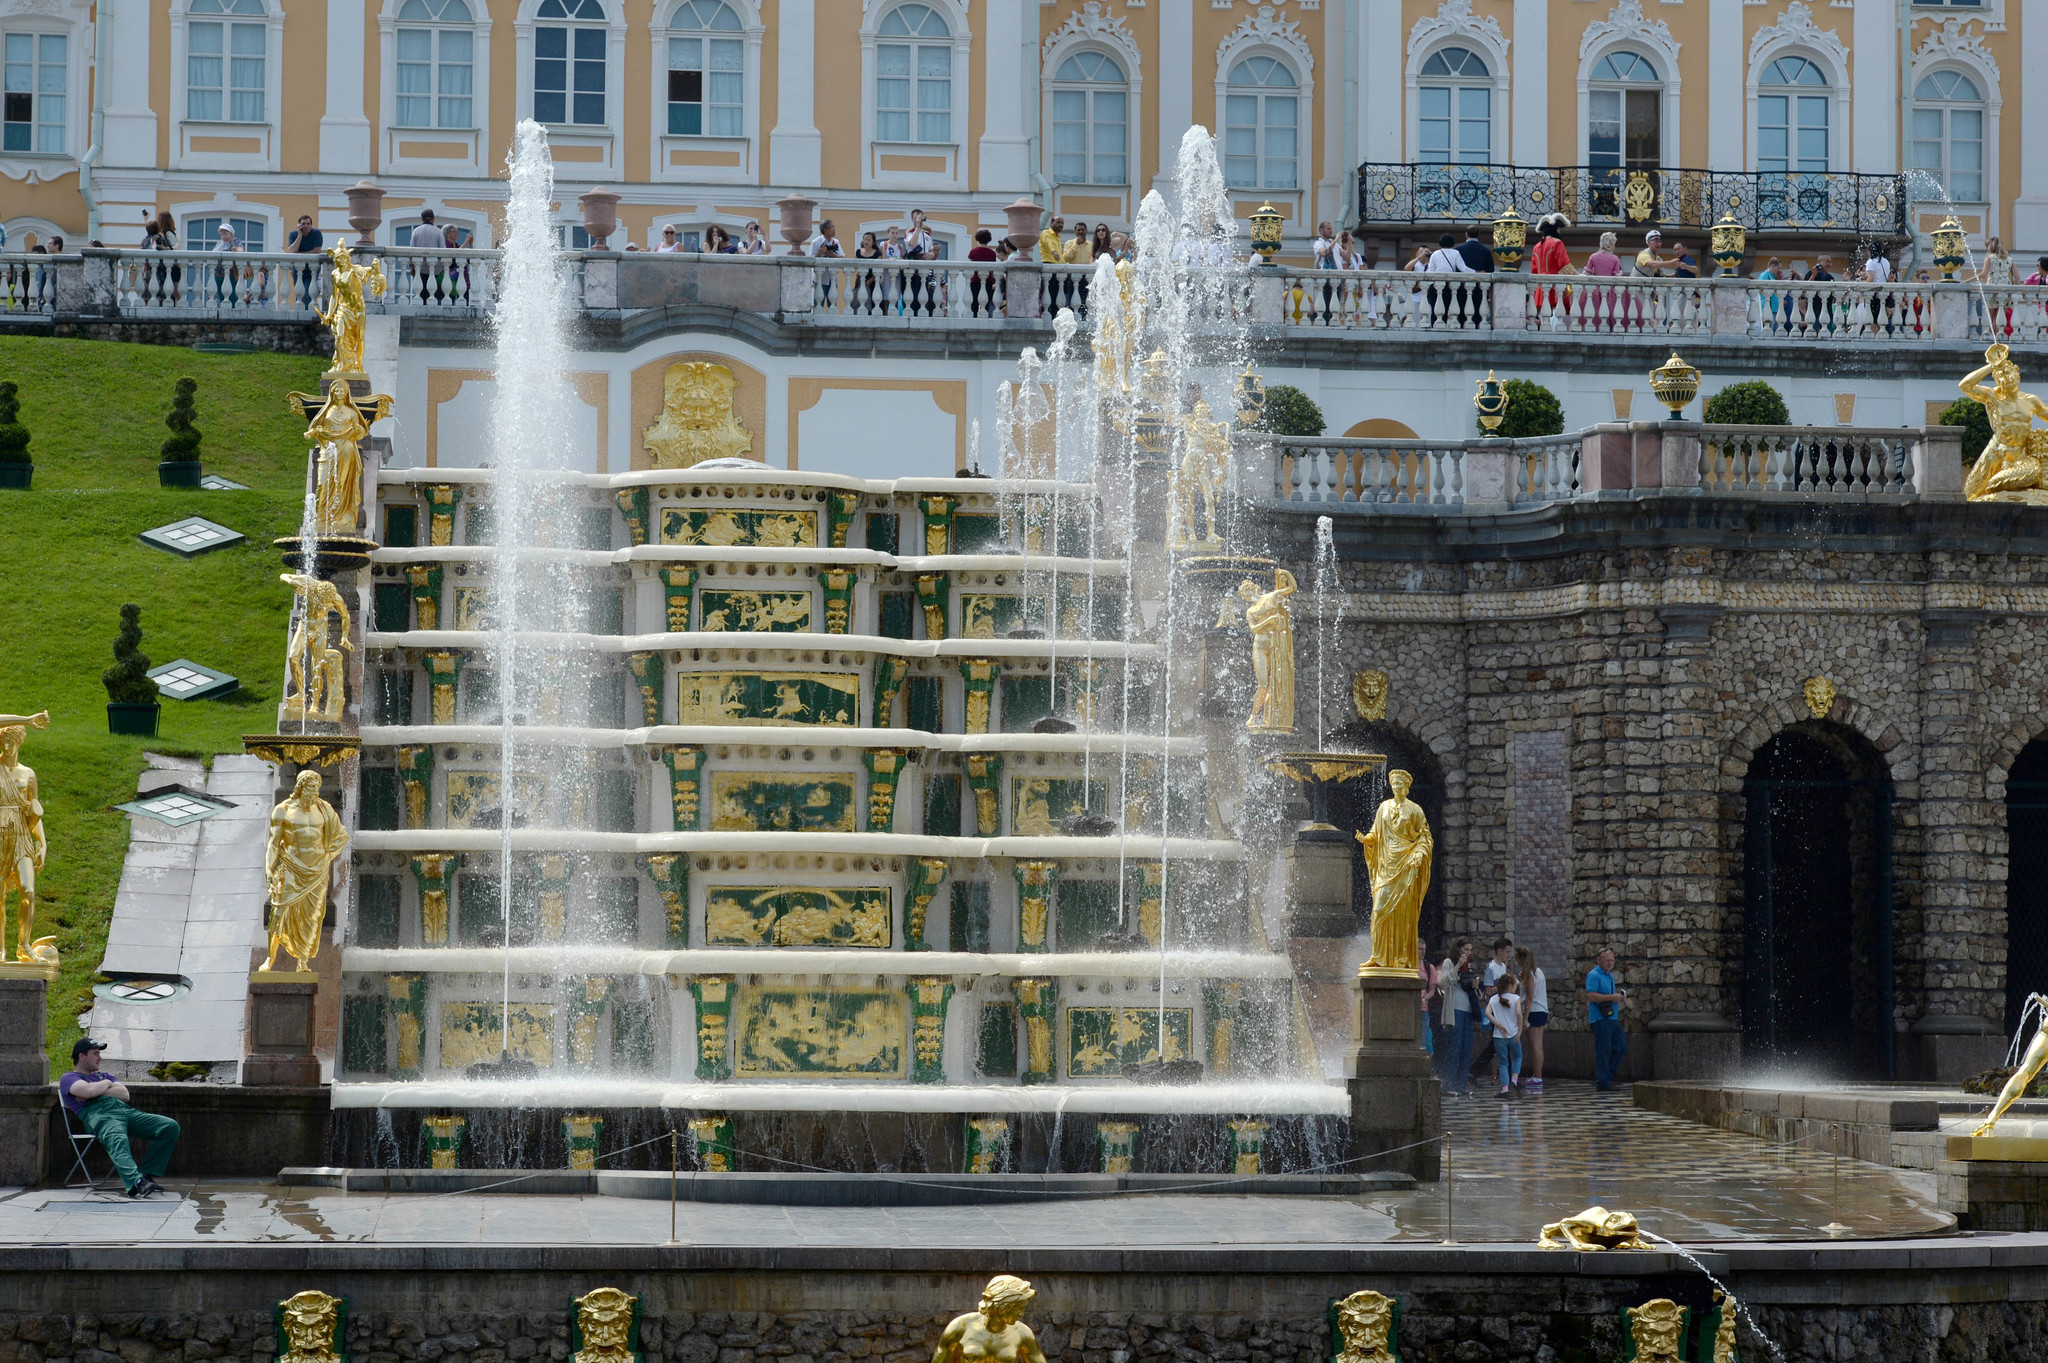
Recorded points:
101,1103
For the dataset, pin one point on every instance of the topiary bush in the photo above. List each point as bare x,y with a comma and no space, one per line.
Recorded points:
183,446
13,435
1289,411
1532,410
1967,413
127,681
1749,403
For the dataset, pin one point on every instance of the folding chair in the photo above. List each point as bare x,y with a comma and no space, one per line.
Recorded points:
82,1141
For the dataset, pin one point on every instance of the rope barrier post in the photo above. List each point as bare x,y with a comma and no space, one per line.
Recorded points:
1835,1229
672,1185
1449,1237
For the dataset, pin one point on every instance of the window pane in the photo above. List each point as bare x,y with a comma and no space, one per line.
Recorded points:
589,108
686,54
548,107
247,40
51,49
892,125
1068,137
203,106
1965,124
1070,168
727,54
1241,141
1240,172
1280,110
247,106
934,127
1474,102
934,94
1109,137
1109,106
1967,187
1069,105
685,120
414,45
1279,174
590,44
934,61
455,113
1927,156
204,38
726,88
20,47
455,80
551,42
1109,170
892,60
892,94
727,120
1280,142
1927,123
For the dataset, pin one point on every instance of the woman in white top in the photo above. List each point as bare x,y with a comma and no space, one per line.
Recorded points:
754,244
1504,1017
670,244
1535,1014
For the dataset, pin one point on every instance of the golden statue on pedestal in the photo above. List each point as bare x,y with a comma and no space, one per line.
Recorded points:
306,838
2011,468
348,307
2029,1069
339,428
23,843
1116,342
314,669
1272,627
1398,853
995,1333
1204,472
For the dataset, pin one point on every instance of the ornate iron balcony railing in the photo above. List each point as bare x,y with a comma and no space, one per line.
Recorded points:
1772,201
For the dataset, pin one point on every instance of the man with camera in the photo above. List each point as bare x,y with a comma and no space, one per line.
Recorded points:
1603,1009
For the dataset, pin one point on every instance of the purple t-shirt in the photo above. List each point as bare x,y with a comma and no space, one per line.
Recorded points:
76,1077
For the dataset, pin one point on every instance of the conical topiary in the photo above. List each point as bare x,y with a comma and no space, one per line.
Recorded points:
183,446
13,435
127,681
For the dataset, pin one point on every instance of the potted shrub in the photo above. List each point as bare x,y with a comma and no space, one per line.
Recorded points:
1749,403
1289,411
1533,410
132,705
180,465
15,468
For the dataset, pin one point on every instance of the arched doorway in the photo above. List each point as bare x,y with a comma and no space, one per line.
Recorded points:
1817,891
2026,880
1380,428
1356,802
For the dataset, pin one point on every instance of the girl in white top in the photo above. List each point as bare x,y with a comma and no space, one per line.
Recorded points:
755,244
1535,1014
1504,1016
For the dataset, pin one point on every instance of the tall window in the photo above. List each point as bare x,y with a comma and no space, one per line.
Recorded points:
200,233
436,64
1090,121
1456,125
32,106
1792,116
1261,125
1624,125
914,75
706,71
224,63
569,62
1948,136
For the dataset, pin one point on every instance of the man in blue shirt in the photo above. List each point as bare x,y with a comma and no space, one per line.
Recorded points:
1603,1010
101,1103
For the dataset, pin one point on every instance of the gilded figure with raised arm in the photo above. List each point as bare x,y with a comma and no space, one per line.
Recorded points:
346,310
995,1333
2011,468
1272,627
315,669
1204,469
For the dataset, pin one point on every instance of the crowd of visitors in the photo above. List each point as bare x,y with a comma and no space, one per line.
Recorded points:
1492,1017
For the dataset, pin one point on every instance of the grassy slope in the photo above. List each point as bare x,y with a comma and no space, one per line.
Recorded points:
69,559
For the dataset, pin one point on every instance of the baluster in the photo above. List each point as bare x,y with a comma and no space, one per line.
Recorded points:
1454,492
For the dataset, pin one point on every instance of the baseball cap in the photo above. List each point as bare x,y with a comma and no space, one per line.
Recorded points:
84,1044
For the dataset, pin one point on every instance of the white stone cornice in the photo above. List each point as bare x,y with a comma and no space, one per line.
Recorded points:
1628,23
1455,18
1797,27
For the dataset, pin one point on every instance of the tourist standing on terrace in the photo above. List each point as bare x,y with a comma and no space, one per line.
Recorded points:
1504,1020
1550,257
1050,247
669,243
305,238
1535,1015
754,243
1324,245
1427,973
1603,1011
1457,982
1478,255
426,236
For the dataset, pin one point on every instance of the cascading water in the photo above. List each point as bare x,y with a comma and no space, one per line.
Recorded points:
1325,582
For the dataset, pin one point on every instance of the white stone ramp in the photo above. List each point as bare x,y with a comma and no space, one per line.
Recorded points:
190,907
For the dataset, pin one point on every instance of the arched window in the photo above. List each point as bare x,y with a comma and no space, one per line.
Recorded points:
707,71
224,62
436,49
1090,121
914,76
1261,125
1792,116
569,62
32,108
1456,124
200,232
1624,112
1948,136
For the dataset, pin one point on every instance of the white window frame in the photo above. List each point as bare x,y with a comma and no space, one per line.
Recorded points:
473,139
1668,151
1127,87
1982,68
1483,36
577,138
1260,36
1796,35
1454,84
72,19
188,148
663,143
228,206
953,174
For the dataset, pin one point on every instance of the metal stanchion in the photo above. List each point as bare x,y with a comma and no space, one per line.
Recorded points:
1835,1229
672,1186
1449,1237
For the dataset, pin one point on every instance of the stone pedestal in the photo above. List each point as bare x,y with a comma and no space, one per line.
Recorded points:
25,1095
1995,1183
281,1029
24,1012
1395,1101
1319,884
1945,1048
1694,1046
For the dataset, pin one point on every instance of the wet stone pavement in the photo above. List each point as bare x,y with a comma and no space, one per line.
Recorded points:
1516,1163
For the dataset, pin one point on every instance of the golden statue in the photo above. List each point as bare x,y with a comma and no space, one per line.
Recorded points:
1398,853
696,421
1656,1328
1724,1332
1116,342
995,1333
1272,630
604,1318
2011,467
309,1319
346,310
1593,1228
23,842
1204,470
306,837
339,428
1365,1320
2022,1078
319,689
1369,694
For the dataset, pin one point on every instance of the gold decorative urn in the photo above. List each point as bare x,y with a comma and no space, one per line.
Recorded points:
1510,239
1266,232
1319,774
1730,240
1949,243
1491,401
1675,383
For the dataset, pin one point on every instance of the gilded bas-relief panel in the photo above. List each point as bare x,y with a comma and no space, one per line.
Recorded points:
471,606
472,792
742,529
985,616
1039,803
473,1031
766,698
854,1033
1104,1040
766,801
762,915
770,612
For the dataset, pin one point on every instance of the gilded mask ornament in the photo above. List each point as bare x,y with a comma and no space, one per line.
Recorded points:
1365,1320
1593,1229
1820,697
309,1322
1656,1328
604,1326
1369,694
696,421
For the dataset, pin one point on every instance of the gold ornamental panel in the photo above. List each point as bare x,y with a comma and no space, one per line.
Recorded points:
1039,804
776,802
1101,1041
826,698
821,1033
474,1031
697,421
472,792
755,612
726,527
800,916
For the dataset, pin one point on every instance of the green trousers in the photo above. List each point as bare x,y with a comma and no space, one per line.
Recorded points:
112,1122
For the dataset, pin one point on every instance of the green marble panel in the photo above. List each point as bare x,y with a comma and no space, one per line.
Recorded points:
722,526
767,698
1103,1040
1039,803
764,801
851,1033
803,916
756,612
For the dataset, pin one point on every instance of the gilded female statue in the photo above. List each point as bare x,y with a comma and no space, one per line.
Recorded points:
348,307
2012,465
339,429
2030,1067
306,837
1272,630
996,1333
1398,854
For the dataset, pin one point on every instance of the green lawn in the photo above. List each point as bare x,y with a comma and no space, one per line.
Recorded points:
69,559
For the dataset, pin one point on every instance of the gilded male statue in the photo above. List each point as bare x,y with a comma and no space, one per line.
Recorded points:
2029,1069
23,844
1398,854
1204,467
339,429
996,1332
306,837
2011,468
348,307
1272,627
320,690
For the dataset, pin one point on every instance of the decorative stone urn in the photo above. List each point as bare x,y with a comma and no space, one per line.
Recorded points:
796,211
600,215
1024,218
365,211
